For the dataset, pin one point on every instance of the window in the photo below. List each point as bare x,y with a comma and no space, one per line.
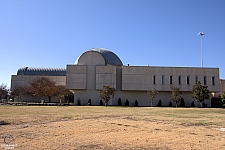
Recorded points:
188,80
205,82
213,80
179,79
196,78
162,79
154,79
171,79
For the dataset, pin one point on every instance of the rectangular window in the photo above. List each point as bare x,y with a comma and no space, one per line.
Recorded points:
196,78
188,80
154,79
213,80
179,79
162,79
171,79
205,82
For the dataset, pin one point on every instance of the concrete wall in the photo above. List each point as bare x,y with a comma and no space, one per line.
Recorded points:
142,78
144,100
90,58
24,80
132,82
37,99
105,76
222,86
76,77
141,96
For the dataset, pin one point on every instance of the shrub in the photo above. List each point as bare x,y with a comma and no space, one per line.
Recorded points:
89,102
182,103
193,104
127,102
159,103
78,102
170,104
101,103
119,102
136,103
204,105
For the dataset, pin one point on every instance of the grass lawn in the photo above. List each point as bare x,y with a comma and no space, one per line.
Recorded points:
100,127
189,116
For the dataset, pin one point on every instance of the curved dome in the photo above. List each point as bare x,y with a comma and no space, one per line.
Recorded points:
42,71
109,57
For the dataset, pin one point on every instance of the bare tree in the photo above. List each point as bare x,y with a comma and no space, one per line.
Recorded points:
43,86
175,94
19,91
4,91
152,93
106,94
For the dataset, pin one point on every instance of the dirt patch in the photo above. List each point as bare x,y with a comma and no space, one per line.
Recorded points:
109,133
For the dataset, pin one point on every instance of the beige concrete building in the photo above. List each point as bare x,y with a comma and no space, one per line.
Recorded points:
26,75
96,68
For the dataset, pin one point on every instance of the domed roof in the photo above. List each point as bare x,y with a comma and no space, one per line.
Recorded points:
110,57
42,71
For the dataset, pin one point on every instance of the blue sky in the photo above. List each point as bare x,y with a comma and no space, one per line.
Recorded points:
53,33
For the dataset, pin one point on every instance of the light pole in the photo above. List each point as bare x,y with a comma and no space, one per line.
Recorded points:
201,34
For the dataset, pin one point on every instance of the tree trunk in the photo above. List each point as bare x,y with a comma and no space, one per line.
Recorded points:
106,103
152,103
201,104
42,100
176,104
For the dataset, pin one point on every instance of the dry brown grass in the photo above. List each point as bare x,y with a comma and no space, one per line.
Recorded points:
87,127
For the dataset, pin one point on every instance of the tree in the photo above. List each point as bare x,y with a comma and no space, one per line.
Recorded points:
222,96
200,92
152,93
106,94
42,86
3,91
175,94
19,91
61,91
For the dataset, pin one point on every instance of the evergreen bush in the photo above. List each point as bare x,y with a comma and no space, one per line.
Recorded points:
119,102
101,103
136,103
127,102
182,103
159,103
78,102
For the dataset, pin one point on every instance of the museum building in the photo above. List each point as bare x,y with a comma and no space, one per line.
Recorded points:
99,67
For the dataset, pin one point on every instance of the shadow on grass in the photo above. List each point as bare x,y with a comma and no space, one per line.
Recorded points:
3,123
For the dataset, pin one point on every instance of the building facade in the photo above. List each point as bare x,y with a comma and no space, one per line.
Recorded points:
99,67
26,75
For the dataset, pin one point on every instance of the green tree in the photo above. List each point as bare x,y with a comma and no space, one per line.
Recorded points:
106,94
152,94
200,92
222,96
175,94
